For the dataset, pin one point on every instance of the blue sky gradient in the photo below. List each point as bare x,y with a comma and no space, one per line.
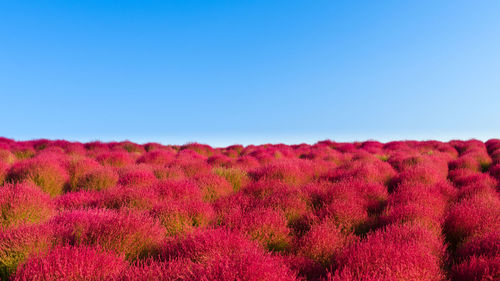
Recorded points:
224,72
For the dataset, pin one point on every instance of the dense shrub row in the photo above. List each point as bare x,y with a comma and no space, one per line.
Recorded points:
403,210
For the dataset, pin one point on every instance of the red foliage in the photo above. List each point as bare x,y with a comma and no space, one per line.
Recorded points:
78,167
3,171
47,173
137,175
395,253
324,242
97,179
328,211
221,255
115,159
19,243
213,186
157,157
130,234
472,216
477,268
71,263
23,203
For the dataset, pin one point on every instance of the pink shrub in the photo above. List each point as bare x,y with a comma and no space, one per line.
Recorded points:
181,190
213,186
287,171
495,156
370,171
420,204
97,179
495,171
264,225
268,227
324,242
78,167
20,243
486,245
71,263
289,199
6,156
136,175
150,146
247,162
492,145
46,173
79,200
472,190
473,155
477,269
153,270
236,177
128,146
22,203
201,149
220,160
192,168
394,253
179,217
130,234
476,179
23,152
221,255
344,206
3,171
157,157
115,159
96,148
172,172
472,216
420,174
128,197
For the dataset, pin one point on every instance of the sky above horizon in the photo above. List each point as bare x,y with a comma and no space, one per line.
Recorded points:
249,72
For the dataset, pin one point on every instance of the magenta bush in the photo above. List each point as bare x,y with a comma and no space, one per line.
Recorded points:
115,159
71,263
136,175
46,173
394,253
221,255
24,203
18,244
131,234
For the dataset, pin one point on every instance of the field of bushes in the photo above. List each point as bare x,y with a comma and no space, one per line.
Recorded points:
403,210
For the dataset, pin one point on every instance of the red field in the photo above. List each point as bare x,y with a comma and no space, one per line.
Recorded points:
330,211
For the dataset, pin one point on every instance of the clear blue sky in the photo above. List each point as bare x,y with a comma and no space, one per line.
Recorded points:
223,72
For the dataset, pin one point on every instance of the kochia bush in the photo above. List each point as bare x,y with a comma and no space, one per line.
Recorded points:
48,174
23,203
71,263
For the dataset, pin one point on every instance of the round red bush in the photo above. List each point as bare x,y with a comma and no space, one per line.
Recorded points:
127,233
323,243
394,253
221,255
136,175
157,157
98,179
46,173
23,203
71,263
78,167
115,159
472,216
17,244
